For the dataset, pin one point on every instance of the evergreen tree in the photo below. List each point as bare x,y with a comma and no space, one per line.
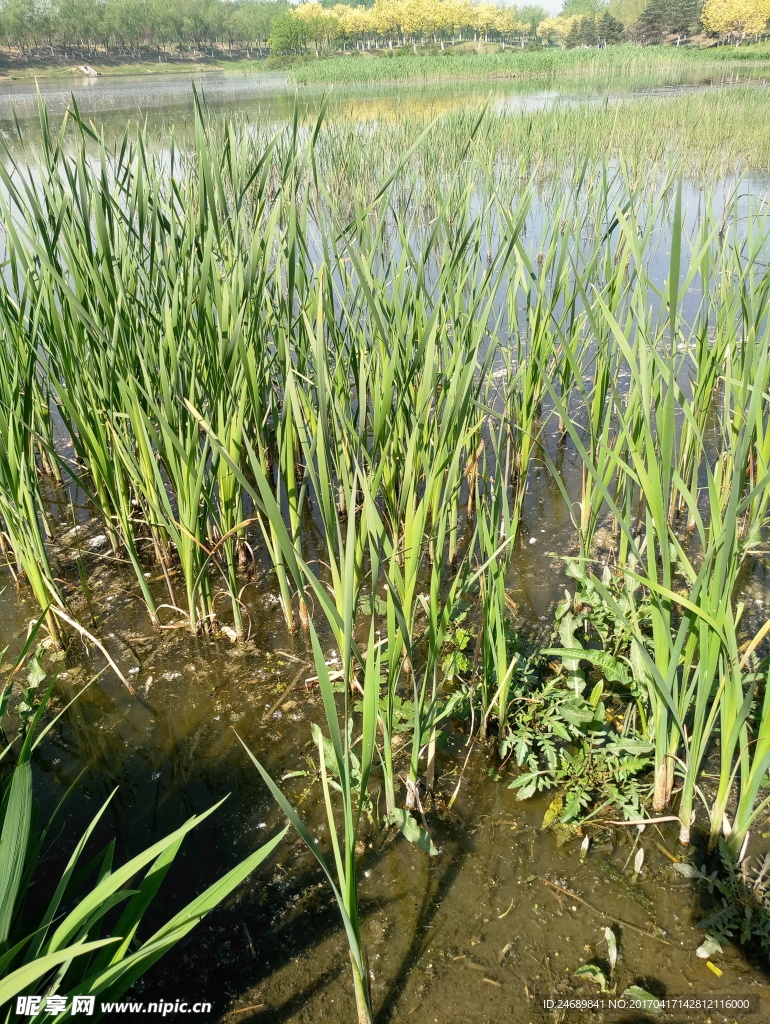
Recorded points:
588,32
574,36
683,16
610,29
653,21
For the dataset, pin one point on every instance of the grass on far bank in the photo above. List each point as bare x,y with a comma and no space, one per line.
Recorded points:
531,63
460,61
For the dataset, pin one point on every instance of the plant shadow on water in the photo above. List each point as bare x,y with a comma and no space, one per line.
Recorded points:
473,935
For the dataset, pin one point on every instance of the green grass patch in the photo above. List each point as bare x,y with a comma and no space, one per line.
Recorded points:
711,132
628,59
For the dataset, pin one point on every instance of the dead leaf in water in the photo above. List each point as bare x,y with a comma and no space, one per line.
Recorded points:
648,1002
553,813
594,974
686,870
612,948
504,952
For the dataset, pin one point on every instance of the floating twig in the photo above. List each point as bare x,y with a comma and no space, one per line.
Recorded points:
501,916
646,821
273,707
89,636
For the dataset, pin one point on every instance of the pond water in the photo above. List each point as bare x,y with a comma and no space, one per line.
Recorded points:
271,96
484,931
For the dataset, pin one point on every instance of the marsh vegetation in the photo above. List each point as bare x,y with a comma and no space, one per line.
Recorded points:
330,368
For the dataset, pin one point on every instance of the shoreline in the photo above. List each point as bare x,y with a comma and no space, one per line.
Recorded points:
120,69
399,65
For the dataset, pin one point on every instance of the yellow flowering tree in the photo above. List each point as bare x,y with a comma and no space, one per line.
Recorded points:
355,22
322,25
736,19
457,14
386,18
485,18
556,28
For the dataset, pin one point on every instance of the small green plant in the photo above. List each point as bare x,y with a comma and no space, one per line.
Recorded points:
741,911
594,972
575,742
457,656
568,745
542,720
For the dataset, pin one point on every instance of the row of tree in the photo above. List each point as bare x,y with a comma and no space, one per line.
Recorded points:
736,20
127,25
581,23
582,30
87,25
402,22
650,21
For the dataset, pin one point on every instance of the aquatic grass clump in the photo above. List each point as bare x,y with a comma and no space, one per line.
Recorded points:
683,531
355,393
22,522
546,63
707,134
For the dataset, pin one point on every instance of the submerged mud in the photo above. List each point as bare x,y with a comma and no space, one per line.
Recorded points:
487,930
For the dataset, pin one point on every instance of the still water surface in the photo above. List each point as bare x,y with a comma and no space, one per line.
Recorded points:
271,96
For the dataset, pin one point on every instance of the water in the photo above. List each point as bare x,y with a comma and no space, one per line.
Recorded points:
270,96
482,932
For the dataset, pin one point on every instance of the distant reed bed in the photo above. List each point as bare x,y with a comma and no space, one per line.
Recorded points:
707,133
627,59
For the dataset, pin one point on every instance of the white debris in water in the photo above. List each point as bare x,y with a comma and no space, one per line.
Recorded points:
533,540
133,671
262,824
155,776
75,531
171,675
98,542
